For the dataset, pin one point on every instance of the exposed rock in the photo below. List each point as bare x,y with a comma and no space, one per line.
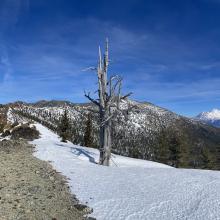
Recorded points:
6,133
83,208
25,132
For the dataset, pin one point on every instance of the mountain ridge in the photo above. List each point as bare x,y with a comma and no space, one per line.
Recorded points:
147,131
211,117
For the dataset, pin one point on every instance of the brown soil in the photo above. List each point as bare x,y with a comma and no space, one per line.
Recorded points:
31,189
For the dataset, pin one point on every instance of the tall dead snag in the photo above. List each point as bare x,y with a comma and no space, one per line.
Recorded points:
109,97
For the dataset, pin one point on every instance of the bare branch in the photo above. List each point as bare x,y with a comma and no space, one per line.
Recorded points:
112,88
100,60
127,95
91,99
106,61
119,94
100,80
93,110
91,68
106,120
112,78
118,82
130,107
110,84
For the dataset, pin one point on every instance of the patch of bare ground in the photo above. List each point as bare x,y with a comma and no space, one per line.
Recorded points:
31,188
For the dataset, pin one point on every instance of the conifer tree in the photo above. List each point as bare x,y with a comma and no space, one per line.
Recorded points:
88,140
206,159
162,151
64,127
174,151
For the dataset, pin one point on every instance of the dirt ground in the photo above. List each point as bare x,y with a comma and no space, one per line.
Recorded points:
31,189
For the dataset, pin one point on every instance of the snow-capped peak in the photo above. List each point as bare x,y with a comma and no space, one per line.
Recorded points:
210,116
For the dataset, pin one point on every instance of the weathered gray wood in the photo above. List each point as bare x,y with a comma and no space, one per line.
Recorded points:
109,93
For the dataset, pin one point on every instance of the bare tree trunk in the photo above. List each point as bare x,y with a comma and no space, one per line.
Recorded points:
107,147
105,143
105,130
109,92
105,138
102,140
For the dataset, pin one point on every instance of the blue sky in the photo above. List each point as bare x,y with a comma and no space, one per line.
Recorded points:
168,52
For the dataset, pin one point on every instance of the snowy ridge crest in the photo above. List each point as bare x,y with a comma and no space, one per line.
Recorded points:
212,117
138,133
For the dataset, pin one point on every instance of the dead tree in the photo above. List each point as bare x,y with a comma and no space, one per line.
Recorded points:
108,102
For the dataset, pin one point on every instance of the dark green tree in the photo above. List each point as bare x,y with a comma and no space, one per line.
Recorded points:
161,152
206,159
162,149
216,162
169,147
64,127
88,139
174,151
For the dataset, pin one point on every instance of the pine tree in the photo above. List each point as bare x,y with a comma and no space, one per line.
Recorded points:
174,151
206,159
162,150
88,140
168,151
184,152
64,127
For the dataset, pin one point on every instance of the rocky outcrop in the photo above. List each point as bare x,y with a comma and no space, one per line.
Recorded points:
21,131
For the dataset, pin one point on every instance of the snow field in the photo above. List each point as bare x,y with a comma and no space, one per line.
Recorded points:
132,189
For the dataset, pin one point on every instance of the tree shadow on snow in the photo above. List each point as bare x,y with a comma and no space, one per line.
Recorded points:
61,145
79,151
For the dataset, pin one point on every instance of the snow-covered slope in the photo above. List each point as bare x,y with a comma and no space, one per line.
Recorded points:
132,189
134,132
211,117
140,132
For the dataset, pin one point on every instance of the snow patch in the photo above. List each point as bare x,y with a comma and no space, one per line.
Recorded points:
212,115
131,188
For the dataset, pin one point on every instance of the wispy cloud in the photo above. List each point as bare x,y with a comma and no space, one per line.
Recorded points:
210,66
45,58
165,92
54,58
6,67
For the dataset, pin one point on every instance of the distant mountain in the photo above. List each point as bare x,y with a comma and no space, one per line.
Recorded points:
146,131
211,117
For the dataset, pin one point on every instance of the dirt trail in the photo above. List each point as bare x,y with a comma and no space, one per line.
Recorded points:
30,188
